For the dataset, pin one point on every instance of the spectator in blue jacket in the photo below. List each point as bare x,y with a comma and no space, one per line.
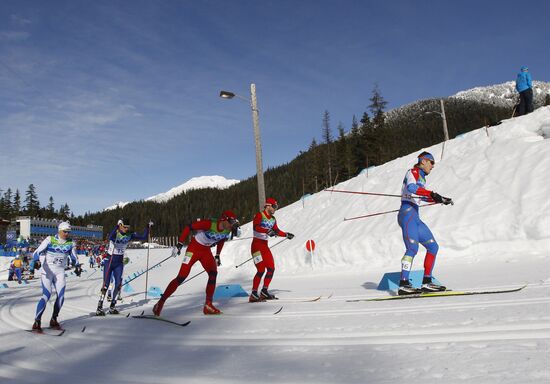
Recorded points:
525,88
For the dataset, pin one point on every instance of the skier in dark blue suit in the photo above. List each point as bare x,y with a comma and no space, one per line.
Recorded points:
114,262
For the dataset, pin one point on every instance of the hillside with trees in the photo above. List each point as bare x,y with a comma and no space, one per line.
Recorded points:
342,152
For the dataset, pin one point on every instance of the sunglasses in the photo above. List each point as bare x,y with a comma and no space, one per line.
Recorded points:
66,231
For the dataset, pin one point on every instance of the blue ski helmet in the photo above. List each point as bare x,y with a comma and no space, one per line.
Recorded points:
426,156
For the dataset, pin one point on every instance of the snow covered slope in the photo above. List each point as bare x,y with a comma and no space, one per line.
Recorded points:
497,235
497,178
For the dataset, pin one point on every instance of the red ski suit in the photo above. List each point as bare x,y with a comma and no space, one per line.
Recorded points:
263,259
209,234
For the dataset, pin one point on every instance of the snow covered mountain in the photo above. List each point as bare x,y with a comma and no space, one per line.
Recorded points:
504,94
500,95
219,182
200,182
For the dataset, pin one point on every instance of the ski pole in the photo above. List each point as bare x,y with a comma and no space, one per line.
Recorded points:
174,254
147,264
273,246
368,193
383,213
192,277
243,238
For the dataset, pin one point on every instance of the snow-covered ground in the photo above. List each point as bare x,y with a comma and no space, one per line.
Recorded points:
497,235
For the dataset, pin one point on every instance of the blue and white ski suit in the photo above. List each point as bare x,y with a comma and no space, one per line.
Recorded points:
53,253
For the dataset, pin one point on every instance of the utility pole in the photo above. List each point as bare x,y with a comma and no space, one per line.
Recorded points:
445,131
258,143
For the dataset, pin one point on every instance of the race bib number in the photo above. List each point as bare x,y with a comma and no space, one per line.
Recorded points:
116,250
59,260
257,257
187,257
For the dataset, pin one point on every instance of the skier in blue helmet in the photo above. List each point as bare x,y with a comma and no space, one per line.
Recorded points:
414,230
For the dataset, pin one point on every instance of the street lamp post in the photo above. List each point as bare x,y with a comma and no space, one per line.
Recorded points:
257,140
444,119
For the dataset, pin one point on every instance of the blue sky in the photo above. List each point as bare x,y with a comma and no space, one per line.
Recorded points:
102,101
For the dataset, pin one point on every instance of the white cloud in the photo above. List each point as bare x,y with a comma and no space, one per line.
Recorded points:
7,36
18,20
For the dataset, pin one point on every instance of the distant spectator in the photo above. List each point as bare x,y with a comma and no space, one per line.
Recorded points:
17,264
525,89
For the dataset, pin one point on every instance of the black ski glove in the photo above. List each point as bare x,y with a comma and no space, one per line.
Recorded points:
37,264
179,246
218,262
77,270
441,199
272,233
289,236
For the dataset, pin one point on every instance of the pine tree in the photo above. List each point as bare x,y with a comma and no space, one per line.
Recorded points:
50,209
16,203
8,204
315,167
343,154
65,212
32,205
328,139
376,135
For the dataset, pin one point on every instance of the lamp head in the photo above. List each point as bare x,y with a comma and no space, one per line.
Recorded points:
226,95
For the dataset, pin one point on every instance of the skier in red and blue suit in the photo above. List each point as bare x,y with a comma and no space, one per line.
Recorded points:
414,230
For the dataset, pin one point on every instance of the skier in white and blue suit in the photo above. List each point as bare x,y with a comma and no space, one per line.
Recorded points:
415,231
114,262
51,256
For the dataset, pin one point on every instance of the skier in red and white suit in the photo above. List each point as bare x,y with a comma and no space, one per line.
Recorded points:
264,226
206,234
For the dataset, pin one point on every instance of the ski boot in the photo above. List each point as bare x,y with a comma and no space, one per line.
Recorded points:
406,288
113,310
157,309
429,286
36,327
100,311
268,296
254,297
54,324
209,309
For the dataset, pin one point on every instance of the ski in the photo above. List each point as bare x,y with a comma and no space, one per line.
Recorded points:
153,317
439,294
278,311
47,332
